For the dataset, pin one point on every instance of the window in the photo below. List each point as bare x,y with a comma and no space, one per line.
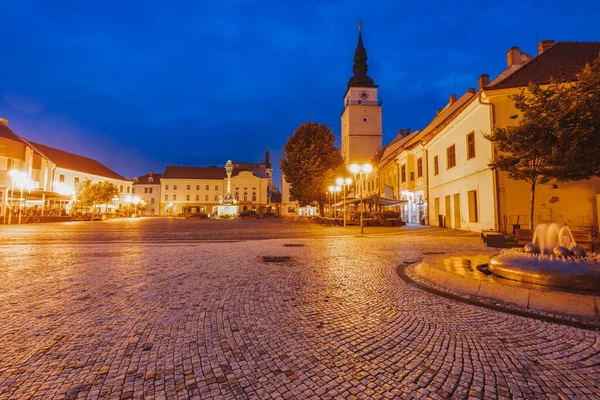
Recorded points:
197,187
128,188
150,179
166,187
121,188
420,167
245,196
174,197
216,197
451,157
237,195
472,205
188,187
197,197
216,187
207,189
150,190
403,173
206,198
187,197
470,145
166,197
145,190
76,180
133,190
436,165
254,196
174,187
61,179
152,200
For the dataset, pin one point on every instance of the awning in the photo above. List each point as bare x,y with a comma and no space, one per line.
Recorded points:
378,200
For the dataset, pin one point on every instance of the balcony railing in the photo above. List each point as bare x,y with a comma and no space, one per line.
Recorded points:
373,103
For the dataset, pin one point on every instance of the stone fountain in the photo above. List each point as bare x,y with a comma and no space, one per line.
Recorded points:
553,259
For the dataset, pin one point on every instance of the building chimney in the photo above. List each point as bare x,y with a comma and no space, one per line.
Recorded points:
407,132
471,90
513,56
483,81
544,45
401,132
4,121
452,98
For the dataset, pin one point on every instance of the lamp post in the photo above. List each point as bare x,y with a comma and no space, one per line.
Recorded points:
22,182
14,174
170,207
344,182
135,202
128,201
360,170
331,193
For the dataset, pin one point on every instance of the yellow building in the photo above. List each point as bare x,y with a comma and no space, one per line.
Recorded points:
147,188
198,189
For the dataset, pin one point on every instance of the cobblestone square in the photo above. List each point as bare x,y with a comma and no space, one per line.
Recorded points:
165,309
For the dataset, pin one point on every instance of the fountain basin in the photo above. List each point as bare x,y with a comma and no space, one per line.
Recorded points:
559,272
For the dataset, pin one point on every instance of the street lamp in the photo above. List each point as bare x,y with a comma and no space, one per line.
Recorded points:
344,182
14,174
356,169
338,189
135,201
170,207
128,201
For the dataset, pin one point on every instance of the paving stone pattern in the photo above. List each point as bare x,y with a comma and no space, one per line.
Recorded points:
208,320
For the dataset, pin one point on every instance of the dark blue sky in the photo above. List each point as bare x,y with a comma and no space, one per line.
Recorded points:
141,84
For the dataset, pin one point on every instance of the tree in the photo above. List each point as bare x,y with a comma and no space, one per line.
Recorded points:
558,134
107,191
89,193
311,162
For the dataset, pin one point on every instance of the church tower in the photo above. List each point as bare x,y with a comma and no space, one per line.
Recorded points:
361,119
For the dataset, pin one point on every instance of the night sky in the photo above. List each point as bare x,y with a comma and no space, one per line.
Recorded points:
138,85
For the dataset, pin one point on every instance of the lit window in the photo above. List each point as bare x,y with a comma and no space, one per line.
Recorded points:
470,145
451,157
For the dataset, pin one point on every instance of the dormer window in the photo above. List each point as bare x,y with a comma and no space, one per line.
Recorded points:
150,179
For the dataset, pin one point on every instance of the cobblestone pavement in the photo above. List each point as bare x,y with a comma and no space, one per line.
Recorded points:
204,319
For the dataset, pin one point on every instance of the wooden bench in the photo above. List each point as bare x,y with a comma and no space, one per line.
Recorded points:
582,238
492,238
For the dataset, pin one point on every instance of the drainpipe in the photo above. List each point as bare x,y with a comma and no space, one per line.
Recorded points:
427,184
497,223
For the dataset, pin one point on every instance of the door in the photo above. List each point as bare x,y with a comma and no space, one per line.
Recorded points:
456,211
448,213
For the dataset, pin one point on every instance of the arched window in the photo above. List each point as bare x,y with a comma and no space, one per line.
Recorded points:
237,195
245,196
253,196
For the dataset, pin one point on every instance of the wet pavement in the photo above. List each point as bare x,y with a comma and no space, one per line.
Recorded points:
152,308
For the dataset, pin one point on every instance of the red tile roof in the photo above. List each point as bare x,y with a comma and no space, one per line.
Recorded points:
212,172
6,132
561,62
143,180
75,162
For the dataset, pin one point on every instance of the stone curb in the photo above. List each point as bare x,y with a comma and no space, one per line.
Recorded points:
532,298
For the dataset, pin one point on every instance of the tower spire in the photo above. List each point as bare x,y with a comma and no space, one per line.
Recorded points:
360,68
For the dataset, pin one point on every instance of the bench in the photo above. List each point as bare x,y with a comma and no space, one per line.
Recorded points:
492,238
582,238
